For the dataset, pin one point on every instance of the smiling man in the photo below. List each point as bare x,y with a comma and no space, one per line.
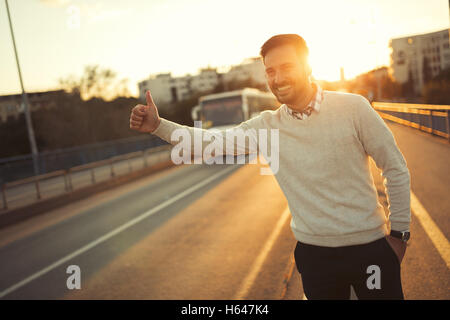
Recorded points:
325,141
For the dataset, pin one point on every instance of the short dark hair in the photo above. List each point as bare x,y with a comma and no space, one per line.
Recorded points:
286,39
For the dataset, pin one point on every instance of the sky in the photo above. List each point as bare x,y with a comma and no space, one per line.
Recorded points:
137,38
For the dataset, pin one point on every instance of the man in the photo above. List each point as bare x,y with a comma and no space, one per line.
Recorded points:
326,139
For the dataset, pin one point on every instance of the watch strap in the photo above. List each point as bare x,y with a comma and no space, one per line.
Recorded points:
404,236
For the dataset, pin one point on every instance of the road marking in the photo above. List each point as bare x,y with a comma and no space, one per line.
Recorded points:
432,230
115,231
256,267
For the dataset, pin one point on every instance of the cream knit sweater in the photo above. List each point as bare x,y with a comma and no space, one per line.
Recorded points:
324,170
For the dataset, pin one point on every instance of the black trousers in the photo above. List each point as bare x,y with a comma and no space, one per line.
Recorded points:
372,269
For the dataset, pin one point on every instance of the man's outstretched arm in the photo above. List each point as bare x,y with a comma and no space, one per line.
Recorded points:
145,118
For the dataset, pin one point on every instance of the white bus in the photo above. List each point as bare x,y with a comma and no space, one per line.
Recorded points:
228,109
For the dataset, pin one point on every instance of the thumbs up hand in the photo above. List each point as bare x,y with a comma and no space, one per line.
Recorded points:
145,118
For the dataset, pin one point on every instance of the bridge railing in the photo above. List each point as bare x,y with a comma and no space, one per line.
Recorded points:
20,167
37,187
434,119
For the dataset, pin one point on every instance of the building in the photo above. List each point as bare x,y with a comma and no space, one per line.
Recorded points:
166,89
252,68
11,105
418,58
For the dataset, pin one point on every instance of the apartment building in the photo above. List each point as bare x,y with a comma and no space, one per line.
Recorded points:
167,89
420,57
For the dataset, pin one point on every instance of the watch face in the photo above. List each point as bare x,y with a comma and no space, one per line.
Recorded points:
405,236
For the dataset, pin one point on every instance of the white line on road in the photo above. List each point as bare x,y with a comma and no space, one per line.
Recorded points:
434,233
115,231
256,267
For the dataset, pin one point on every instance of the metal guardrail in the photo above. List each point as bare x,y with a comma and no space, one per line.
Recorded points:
434,119
67,174
20,167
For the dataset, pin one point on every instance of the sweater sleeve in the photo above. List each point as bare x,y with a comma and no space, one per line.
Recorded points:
231,141
379,143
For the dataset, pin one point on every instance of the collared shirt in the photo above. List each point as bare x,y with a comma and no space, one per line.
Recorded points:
314,104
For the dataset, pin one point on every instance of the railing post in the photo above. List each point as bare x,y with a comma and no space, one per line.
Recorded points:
66,185
92,176
5,204
69,180
431,122
144,154
448,125
38,191
111,163
419,114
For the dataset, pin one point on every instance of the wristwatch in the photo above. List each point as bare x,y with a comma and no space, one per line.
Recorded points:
404,236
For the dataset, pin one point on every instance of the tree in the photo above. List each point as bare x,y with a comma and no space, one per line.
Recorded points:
95,83
437,90
391,90
408,86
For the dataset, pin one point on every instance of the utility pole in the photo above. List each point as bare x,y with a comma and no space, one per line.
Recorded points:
25,104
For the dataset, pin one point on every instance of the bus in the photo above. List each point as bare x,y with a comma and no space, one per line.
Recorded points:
228,109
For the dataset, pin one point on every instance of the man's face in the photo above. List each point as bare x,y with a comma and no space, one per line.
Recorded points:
286,75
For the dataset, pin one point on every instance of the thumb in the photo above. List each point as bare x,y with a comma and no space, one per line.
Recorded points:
149,99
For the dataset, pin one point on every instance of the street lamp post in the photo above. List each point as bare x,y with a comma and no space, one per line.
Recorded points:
26,106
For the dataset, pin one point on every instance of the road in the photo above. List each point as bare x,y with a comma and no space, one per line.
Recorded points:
208,232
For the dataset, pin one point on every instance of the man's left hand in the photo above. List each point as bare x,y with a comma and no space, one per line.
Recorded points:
398,246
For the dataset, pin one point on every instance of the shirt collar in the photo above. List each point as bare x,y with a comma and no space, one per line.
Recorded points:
314,103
